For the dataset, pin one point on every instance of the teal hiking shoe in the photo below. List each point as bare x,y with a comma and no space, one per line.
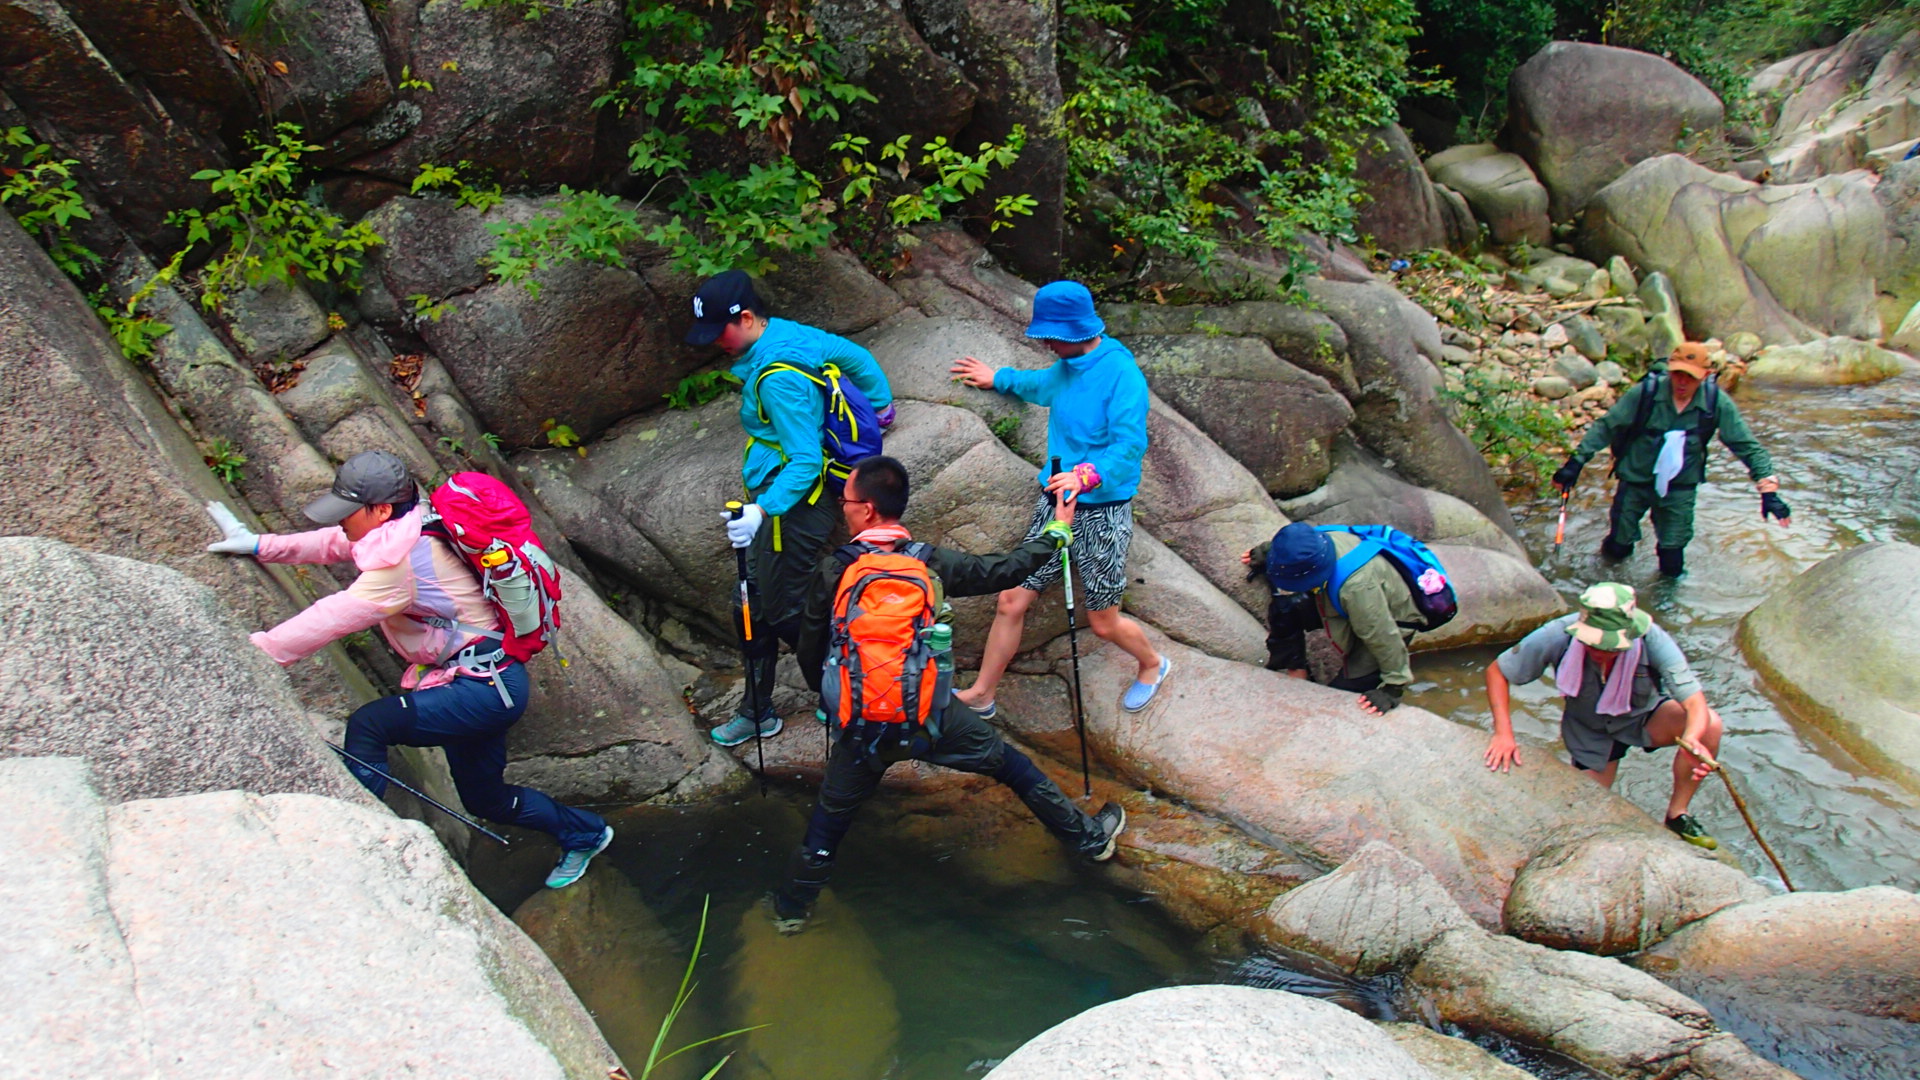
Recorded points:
740,729
1684,827
573,864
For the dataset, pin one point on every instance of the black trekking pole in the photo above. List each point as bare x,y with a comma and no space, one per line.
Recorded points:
747,698
1073,645
421,795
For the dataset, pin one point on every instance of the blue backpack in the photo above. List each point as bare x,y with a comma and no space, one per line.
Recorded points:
1426,579
850,430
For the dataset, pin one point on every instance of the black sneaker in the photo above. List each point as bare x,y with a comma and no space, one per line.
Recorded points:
1684,827
1112,819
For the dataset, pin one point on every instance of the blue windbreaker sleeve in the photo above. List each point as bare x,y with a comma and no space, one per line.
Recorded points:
860,366
793,406
1037,387
1119,461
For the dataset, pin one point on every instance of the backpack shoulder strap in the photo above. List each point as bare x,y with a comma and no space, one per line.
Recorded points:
1650,385
1709,409
1348,565
782,365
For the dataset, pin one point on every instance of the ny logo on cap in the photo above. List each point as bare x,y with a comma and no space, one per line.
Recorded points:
699,310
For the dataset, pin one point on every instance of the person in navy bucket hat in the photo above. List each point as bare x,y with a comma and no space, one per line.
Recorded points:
1368,626
1097,429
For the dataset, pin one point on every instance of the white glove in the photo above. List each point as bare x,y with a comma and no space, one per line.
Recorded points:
740,530
237,539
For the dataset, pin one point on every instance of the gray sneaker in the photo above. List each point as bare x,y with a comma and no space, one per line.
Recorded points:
1112,820
573,864
740,729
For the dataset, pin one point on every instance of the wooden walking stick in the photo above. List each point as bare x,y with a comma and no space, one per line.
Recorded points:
1740,804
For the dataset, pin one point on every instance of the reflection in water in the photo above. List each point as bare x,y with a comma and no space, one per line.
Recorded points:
1848,458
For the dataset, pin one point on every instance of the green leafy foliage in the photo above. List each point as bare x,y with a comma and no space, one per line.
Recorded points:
448,178
1153,159
681,996
576,225
1007,430
701,387
225,459
423,307
134,333
1522,438
561,436
44,198
265,231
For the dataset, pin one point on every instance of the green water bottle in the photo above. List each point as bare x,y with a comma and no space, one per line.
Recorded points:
940,643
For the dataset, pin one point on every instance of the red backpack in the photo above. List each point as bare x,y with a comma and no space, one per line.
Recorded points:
490,527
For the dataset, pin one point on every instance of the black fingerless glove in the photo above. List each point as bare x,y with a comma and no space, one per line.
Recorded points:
1772,505
1384,698
1567,476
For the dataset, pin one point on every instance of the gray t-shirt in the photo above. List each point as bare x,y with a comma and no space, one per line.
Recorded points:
1662,673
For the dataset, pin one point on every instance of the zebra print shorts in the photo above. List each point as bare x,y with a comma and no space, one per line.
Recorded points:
1101,536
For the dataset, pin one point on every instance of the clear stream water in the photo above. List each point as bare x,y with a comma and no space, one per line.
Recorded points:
942,953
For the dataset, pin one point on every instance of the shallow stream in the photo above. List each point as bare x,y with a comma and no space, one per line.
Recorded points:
941,952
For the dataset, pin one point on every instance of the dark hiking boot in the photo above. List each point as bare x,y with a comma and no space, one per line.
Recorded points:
1673,561
1684,827
1614,551
1112,820
789,915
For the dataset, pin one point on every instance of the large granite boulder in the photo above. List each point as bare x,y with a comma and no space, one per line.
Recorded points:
1362,491
1605,1015
1274,418
611,725
329,920
1842,107
1824,982
1303,337
1395,348
1405,211
1790,262
1581,114
1837,644
1376,913
133,152
1828,361
519,106
878,48
335,73
1500,188
1302,768
1217,1032
1612,891
1008,53
1448,1058
596,344
142,672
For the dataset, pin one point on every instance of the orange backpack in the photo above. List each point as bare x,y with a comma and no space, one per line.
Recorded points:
880,668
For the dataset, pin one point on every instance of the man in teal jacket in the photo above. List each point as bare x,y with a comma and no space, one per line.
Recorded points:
793,504
1097,427
1660,431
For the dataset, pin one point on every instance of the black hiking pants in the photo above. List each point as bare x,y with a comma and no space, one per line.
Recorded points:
781,562
966,743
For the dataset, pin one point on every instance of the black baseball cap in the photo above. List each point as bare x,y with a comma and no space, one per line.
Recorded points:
719,302
363,480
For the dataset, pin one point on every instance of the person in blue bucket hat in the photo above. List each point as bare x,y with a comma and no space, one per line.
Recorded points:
1097,429
1368,627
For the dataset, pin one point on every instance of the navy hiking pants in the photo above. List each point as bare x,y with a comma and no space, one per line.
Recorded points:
465,717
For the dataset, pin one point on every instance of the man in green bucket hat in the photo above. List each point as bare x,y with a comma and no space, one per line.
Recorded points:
1626,684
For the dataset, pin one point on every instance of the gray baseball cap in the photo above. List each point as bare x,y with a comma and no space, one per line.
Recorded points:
363,480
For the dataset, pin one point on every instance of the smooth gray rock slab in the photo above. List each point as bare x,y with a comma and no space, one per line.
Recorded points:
1212,1033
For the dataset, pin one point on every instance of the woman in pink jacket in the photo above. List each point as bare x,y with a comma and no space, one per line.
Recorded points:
463,692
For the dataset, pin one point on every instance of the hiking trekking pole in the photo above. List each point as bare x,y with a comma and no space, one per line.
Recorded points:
1560,531
421,795
1740,804
1073,645
734,510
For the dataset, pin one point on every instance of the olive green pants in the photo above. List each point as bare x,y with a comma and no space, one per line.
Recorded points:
1672,514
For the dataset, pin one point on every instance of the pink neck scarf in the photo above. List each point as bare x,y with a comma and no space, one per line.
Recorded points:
883,535
1617,697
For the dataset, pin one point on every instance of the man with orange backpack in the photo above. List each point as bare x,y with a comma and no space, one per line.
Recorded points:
800,389
874,644
466,682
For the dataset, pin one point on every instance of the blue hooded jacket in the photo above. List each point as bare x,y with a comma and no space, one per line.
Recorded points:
1099,415
784,449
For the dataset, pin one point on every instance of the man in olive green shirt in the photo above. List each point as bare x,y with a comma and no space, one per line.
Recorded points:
1659,432
1370,626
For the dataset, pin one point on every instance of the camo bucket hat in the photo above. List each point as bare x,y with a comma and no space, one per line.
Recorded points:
1609,619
